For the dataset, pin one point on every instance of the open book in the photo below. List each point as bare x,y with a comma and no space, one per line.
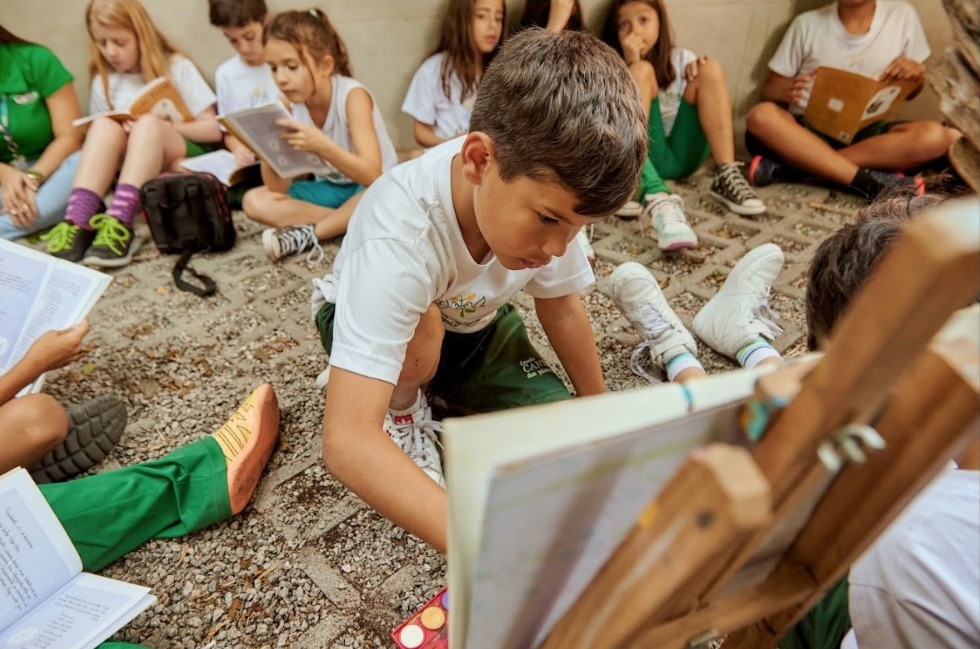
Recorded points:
220,164
45,598
540,497
257,128
39,293
842,102
159,97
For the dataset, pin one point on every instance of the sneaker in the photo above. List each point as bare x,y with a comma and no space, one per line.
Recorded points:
764,171
631,210
739,312
94,428
284,242
583,241
897,182
68,241
417,435
667,215
637,294
731,188
114,243
247,440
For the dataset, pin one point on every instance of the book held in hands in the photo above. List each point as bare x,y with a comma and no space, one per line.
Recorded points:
159,98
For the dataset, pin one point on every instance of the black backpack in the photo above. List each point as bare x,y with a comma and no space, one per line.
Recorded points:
187,213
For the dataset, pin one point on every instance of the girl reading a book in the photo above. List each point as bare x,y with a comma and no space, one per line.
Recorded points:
334,117
689,115
128,52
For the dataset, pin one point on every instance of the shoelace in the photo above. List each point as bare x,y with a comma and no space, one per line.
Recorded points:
298,239
110,233
654,325
765,314
61,236
736,184
419,452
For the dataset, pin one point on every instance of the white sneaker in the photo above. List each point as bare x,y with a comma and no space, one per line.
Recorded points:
631,210
417,435
667,215
637,294
583,241
739,313
283,242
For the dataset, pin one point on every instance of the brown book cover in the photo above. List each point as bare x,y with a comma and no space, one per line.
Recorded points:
842,102
158,97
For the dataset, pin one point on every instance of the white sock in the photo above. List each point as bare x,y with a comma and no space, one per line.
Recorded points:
415,406
682,362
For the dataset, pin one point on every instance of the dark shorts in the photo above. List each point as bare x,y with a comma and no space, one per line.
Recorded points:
496,368
755,147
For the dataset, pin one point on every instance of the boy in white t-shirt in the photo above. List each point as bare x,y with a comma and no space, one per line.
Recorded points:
420,291
874,37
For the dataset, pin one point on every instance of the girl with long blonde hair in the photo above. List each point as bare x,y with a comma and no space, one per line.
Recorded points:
128,51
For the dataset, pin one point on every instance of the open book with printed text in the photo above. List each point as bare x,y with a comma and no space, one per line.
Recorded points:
45,598
842,102
159,97
541,497
39,293
221,164
256,127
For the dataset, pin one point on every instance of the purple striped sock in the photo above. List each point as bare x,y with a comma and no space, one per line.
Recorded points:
82,205
125,204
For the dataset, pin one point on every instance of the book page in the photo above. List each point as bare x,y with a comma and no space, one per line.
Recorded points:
36,555
257,128
115,115
220,164
82,614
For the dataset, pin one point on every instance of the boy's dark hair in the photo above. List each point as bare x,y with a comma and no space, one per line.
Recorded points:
843,263
659,54
564,108
236,13
9,38
536,15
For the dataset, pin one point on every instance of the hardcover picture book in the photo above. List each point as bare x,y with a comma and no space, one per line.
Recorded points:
159,97
842,102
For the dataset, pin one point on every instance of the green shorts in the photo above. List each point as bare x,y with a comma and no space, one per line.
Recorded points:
195,149
825,626
493,369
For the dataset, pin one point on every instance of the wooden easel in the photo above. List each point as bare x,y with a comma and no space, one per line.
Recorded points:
743,542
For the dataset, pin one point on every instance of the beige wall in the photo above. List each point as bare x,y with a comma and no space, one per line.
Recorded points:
389,38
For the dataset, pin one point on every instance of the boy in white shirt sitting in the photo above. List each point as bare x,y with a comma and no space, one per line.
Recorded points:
419,295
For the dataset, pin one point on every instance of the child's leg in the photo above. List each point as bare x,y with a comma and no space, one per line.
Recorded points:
308,201
110,514
737,321
291,240
662,334
51,200
335,223
646,80
31,425
709,92
105,144
904,146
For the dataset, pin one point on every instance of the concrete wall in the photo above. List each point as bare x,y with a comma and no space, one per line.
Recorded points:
387,39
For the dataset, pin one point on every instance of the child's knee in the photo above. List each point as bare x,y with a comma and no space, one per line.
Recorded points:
255,202
105,131
710,70
39,418
761,115
148,125
934,138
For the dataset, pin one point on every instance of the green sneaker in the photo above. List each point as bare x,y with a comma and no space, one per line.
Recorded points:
68,241
114,243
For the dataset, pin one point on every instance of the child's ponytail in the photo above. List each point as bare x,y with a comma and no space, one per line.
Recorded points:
313,36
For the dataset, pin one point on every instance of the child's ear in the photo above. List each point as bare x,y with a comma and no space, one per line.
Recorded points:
477,153
327,65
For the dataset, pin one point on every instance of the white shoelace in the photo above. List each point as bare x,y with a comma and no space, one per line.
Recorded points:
420,452
296,239
736,184
765,314
654,325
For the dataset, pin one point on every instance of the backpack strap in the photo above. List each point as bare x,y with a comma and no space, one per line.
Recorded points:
208,287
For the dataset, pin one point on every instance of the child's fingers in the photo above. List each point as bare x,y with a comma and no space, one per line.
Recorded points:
287,123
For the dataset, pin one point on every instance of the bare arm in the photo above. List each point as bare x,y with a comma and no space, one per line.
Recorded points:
243,154
360,455
204,128
63,108
786,90
425,134
569,331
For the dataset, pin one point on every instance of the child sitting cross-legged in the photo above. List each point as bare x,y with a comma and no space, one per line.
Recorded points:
420,292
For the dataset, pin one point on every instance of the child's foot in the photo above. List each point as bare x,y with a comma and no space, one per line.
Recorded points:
416,434
667,215
582,238
247,440
637,294
631,210
284,242
114,243
871,183
68,241
94,428
731,188
764,171
738,316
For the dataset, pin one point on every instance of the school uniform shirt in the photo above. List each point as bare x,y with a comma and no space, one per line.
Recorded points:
337,128
426,100
240,86
671,96
403,252
818,37
29,74
124,87
919,584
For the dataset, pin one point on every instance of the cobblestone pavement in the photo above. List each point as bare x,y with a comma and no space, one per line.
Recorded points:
308,564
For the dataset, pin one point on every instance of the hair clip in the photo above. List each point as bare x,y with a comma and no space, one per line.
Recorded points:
314,13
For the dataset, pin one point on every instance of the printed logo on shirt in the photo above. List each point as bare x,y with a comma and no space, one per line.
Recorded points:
26,98
465,305
533,367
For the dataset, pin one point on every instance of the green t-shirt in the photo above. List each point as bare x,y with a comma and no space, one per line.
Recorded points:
29,74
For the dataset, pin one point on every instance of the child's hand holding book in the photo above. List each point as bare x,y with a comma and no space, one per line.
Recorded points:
302,137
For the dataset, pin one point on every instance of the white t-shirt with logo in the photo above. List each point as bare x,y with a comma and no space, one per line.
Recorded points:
124,87
818,37
427,102
240,86
671,96
337,128
403,252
